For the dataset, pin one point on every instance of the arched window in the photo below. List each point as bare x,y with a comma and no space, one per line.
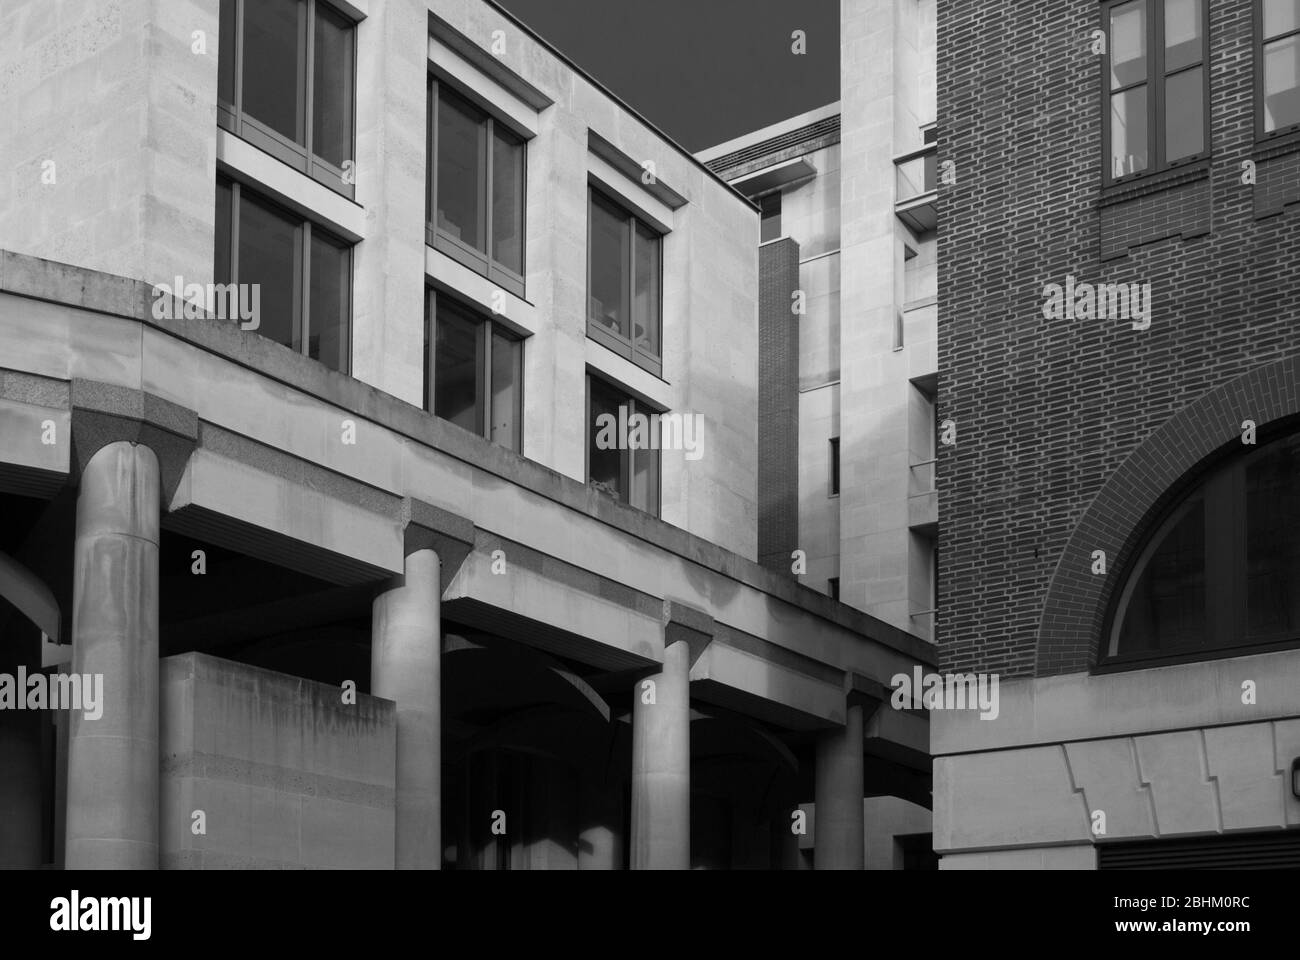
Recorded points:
1222,571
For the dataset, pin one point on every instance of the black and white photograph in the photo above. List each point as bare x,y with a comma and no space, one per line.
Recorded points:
724,436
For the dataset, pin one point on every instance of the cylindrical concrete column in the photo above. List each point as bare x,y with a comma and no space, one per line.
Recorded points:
112,813
661,766
406,667
837,825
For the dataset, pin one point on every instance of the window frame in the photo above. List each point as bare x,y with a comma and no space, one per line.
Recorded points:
1258,41
626,468
480,261
627,347
232,117
833,469
304,228
1155,82
1221,485
485,327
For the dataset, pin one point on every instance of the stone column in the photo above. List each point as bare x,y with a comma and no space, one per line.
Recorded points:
661,765
838,830
406,667
112,812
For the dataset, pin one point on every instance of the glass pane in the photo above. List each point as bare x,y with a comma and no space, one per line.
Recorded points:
1128,132
507,199
272,70
645,480
507,381
332,83
645,304
604,456
226,53
609,282
1167,606
457,367
1273,543
1183,21
268,243
1185,115
1281,16
1282,83
461,161
221,243
1128,43
331,269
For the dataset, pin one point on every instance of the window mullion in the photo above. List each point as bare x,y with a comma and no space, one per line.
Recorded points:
1257,85
483,347
1220,558
309,80
304,314
1240,586
239,65
487,379
430,346
434,93
484,187
487,191
591,203
301,138
629,291
234,232
625,461
1156,73
658,278
1107,95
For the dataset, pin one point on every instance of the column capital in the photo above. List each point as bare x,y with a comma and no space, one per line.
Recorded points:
864,692
684,623
104,413
426,527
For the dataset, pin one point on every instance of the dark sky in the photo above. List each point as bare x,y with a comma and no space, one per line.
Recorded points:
703,71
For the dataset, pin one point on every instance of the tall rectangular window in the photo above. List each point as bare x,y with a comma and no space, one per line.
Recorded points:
835,467
1277,55
620,461
302,274
624,283
473,372
286,83
329,300
332,77
1156,112
476,188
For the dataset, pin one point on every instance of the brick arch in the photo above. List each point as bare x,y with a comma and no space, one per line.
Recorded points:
1120,516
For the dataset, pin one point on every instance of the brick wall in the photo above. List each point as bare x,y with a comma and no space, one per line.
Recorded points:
778,405
1047,410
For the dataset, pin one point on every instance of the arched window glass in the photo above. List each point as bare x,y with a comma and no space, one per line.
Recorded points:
1222,572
